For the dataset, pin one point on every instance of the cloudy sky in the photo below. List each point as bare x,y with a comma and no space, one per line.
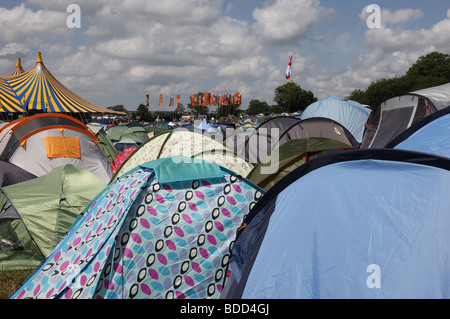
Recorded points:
125,49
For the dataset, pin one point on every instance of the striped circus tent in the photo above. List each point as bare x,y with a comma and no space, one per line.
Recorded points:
9,102
18,70
37,89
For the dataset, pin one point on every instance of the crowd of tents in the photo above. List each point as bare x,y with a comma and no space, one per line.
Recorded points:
340,201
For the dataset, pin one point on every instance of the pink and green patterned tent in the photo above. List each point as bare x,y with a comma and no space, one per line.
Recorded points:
162,230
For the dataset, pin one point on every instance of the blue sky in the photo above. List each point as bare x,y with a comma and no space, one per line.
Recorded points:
126,49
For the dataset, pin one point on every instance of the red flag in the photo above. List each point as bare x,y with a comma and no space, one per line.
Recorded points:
160,100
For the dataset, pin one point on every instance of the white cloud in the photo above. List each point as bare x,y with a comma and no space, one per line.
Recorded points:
14,49
394,39
283,22
21,22
202,12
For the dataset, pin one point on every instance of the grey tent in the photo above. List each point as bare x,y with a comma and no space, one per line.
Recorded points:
12,174
254,144
395,115
319,127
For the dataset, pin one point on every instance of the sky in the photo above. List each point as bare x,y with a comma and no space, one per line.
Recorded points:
123,50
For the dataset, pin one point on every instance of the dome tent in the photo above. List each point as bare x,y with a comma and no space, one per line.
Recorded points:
44,141
190,143
35,214
162,230
290,156
395,115
331,226
429,135
350,114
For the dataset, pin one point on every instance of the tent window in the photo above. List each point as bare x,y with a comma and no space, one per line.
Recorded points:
62,146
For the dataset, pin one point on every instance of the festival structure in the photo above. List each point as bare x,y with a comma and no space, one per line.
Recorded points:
38,90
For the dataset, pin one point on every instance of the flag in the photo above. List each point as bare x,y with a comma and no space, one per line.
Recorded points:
160,100
288,70
178,101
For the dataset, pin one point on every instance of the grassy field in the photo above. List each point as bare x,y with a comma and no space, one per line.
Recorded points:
11,280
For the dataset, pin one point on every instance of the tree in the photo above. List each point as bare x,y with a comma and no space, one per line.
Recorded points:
142,113
430,70
292,98
433,64
119,108
256,107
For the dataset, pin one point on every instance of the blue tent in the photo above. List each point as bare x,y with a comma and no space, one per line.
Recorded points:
350,114
430,135
161,230
357,224
206,126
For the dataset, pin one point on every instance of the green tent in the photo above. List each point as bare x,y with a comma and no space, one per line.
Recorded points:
289,156
37,213
107,145
120,132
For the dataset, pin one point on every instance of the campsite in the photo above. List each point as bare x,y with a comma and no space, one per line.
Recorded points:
220,196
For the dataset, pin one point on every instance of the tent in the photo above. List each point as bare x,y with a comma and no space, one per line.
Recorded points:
395,115
95,127
18,70
106,145
37,89
318,127
350,114
291,155
162,230
9,101
206,126
125,144
360,224
12,174
190,143
121,157
35,214
253,144
120,132
429,135
44,141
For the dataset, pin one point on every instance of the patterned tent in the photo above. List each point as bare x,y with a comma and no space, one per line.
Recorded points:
38,89
162,230
191,143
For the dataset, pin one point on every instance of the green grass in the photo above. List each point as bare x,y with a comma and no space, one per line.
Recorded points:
11,280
